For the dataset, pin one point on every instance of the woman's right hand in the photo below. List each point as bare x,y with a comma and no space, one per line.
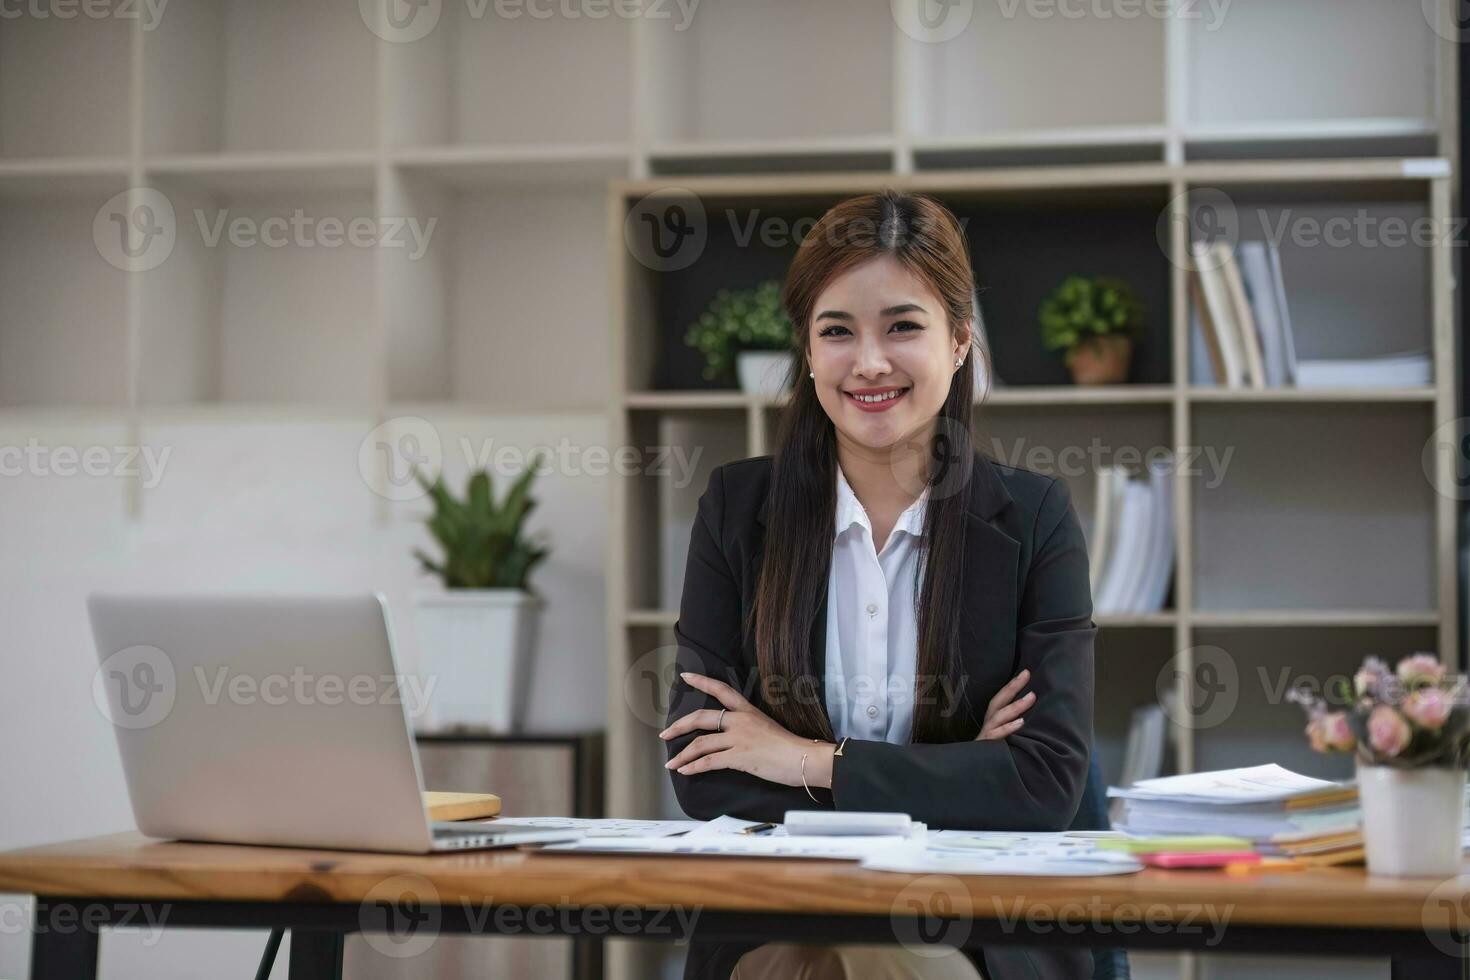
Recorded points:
1003,714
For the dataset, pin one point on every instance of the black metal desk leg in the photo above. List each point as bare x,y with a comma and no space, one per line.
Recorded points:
1440,967
63,946
316,954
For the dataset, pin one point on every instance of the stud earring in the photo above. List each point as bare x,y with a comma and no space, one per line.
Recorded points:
811,374
958,361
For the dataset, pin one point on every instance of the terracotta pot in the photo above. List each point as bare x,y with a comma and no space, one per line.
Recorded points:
1101,360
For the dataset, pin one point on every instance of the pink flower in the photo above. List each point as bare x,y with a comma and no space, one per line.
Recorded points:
1338,734
1428,707
1420,669
1330,732
1370,677
1388,732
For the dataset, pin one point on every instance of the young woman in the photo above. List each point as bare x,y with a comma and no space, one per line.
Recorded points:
877,616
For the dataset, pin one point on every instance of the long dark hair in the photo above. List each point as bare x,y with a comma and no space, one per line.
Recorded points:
925,237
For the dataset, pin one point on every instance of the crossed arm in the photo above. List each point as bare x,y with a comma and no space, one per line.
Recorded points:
1025,770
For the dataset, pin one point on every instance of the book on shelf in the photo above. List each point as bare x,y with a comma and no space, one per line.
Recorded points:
1241,332
1260,268
1133,539
1407,369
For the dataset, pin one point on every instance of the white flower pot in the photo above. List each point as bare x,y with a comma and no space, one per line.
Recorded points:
763,372
475,648
1412,819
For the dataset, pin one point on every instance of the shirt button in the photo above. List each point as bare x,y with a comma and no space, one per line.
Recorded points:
872,608
872,711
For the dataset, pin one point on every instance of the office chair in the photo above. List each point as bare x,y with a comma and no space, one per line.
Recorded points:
1108,963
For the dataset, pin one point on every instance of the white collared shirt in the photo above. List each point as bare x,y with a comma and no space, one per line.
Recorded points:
872,631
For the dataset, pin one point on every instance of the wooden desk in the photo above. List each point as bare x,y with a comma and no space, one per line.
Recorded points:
324,895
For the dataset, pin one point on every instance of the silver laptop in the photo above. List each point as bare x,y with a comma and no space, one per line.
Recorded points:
271,720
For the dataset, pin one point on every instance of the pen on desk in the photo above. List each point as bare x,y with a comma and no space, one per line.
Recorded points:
758,828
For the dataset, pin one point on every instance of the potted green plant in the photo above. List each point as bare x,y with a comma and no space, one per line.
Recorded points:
1408,731
1095,320
478,632
749,329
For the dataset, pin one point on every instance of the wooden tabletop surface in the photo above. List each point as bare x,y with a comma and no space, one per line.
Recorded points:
131,866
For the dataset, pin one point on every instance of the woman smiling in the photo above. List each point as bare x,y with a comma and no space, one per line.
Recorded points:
877,616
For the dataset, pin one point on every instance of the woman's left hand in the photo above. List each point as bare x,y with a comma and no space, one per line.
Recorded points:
748,740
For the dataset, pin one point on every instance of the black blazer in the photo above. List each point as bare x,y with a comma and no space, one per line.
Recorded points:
1029,605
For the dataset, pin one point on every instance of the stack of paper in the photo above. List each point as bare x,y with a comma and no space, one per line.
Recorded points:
1278,811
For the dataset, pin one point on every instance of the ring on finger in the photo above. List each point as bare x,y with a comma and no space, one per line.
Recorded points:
720,724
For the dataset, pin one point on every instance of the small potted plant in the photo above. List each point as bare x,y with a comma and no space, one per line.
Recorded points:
749,328
477,634
1408,731
1095,320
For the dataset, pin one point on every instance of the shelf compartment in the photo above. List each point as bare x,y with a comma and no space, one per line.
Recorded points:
1356,275
1098,71
457,312
1024,246
1326,508
1065,442
63,306
1306,64
1127,666
223,77
453,86
271,313
64,84
789,89
661,501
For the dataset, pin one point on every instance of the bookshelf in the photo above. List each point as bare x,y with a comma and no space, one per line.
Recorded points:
1098,133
